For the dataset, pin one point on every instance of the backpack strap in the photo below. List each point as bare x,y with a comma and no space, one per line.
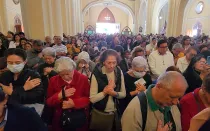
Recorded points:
143,103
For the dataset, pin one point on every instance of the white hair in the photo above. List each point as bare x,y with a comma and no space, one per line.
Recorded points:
177,46
64,63
139,61
169,78
84,56
49,51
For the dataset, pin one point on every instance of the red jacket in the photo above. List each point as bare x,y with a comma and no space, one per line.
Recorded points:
189,108
80,97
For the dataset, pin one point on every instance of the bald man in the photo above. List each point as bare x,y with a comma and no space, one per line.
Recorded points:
48,41
156,108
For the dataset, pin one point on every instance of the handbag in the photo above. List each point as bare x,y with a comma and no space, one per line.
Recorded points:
72,119
101,121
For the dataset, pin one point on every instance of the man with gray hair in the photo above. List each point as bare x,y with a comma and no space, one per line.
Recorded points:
155,109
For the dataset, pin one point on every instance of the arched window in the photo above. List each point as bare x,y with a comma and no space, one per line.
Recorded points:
89,30
106,16
126,31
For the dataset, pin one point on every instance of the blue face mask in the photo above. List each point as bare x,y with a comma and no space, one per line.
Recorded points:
16,68
139,74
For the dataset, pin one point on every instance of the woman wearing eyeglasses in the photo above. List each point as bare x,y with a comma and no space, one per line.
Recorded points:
195,72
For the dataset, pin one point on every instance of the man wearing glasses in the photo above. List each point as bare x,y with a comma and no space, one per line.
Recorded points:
160,59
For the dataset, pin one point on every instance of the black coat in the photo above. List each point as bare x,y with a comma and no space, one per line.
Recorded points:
45,78
193,79
130,86
20,118
19,95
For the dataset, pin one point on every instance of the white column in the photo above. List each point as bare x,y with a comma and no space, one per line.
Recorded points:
57,17
3,17
77,17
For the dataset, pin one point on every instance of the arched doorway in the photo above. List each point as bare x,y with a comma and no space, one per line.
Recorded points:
159,4
117,4
143,17
162,19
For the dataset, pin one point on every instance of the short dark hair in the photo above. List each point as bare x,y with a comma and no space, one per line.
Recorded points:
38,43
16,51
206,83
153,38
107,53
21,33
161,42
120,49
203,46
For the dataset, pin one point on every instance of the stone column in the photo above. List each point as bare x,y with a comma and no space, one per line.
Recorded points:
3,17
77,16
149,16
57,17
173,16
33,18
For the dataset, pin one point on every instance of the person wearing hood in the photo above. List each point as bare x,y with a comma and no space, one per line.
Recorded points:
84,65
35,56
138,71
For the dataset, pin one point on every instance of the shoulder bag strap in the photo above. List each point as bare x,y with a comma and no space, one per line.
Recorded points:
197,102
143,103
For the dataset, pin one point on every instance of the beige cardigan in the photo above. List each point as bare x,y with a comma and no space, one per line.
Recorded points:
132,118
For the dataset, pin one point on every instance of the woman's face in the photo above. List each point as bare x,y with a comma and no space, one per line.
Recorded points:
17,38
14,60
110,63
28,47
187,42
23,42
66,75
200,65
49,59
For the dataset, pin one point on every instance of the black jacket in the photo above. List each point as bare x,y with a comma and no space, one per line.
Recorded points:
103,80
45,78
19,95
20,118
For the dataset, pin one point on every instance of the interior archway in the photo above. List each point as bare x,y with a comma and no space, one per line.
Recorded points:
191,17
117,4
159,4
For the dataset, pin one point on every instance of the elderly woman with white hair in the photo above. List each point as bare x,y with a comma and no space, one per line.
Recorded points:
75,87
136,80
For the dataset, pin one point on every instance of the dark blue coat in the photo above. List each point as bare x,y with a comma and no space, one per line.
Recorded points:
22,118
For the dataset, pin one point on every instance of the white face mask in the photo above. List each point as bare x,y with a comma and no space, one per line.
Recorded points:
16,68
139,74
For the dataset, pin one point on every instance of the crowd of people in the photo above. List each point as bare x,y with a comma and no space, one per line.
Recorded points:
104,82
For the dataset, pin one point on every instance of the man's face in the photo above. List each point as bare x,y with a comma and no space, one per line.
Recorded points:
163,48
170,96
38,48
58,40
191,54
138,38
154,42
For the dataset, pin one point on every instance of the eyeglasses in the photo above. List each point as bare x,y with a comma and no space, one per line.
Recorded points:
163,47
